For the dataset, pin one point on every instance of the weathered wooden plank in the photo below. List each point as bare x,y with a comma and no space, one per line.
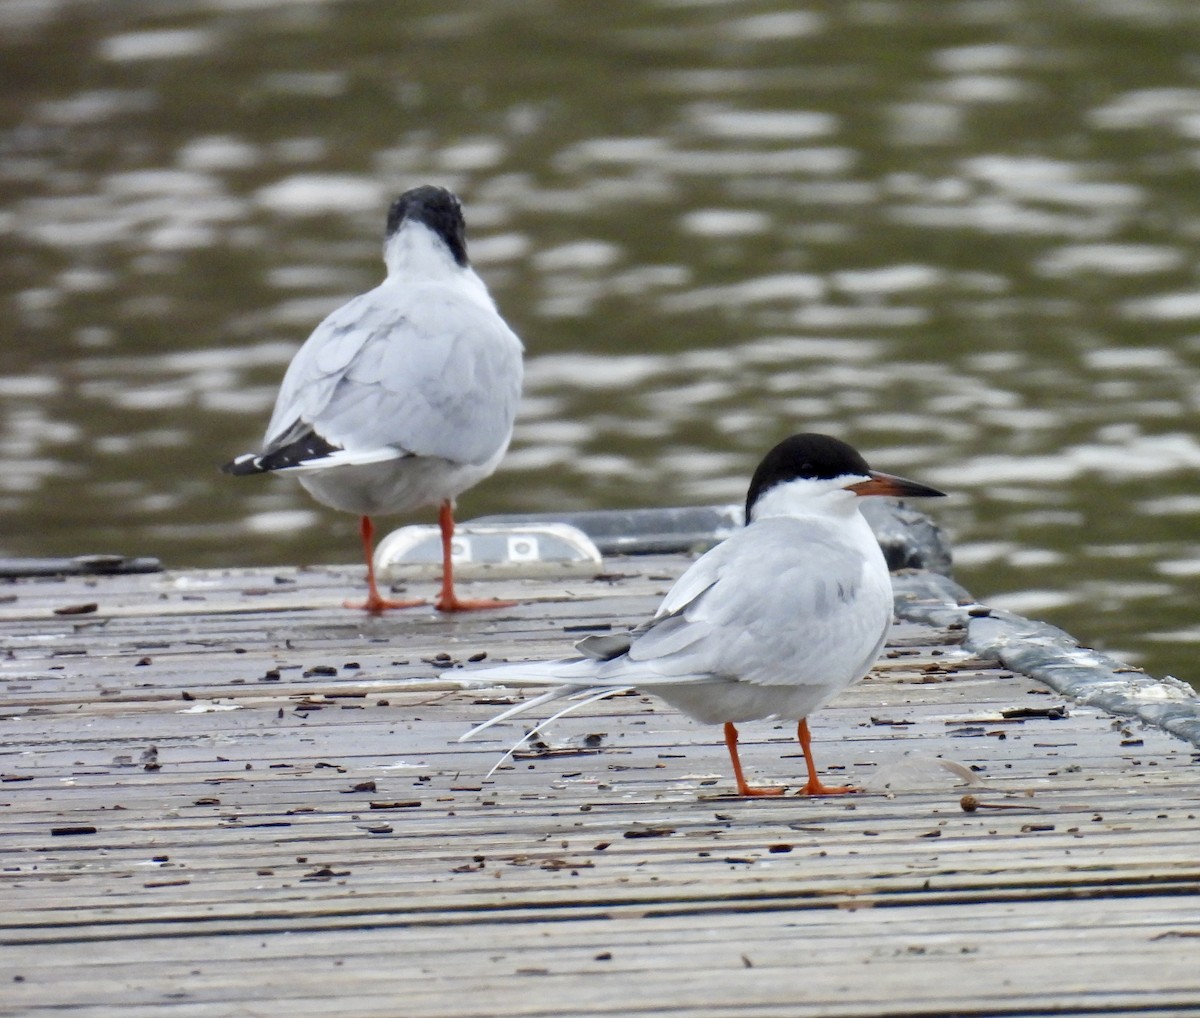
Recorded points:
543,982
244,874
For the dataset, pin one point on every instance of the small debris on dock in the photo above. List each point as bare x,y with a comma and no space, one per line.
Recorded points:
77,609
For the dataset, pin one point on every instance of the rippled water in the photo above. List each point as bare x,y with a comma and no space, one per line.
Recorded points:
961,235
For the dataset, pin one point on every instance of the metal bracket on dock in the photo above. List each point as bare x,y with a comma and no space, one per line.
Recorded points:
515,549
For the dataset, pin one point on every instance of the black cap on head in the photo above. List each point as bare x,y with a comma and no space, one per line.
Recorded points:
436,208
808,455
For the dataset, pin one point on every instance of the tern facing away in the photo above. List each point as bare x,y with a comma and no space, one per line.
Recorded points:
404,396
772,623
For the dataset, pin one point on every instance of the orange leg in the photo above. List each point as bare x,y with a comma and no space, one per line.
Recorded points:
449,601
814,786
731,741
374,602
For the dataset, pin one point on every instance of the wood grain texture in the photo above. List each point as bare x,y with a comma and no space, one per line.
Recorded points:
224,794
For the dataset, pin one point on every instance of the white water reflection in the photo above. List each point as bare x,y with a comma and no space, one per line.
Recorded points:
724,222
164,44
1112,259
758,125
1125,455
1165,307
1148,107
316,194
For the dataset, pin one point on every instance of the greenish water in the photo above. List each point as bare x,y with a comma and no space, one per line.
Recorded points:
961,235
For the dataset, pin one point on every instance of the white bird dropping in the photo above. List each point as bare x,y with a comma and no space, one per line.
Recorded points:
406,395
772,623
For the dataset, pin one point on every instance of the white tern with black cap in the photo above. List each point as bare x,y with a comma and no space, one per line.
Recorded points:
406,395
773,622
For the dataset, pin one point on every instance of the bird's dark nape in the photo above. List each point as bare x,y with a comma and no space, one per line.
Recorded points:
436,208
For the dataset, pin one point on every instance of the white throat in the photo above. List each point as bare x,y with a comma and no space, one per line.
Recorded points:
807,496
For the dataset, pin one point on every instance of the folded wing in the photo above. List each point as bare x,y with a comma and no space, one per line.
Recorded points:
417,371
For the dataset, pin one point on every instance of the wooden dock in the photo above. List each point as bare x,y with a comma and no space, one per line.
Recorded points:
223,795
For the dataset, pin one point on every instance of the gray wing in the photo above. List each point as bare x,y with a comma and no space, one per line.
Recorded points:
413,367
783,602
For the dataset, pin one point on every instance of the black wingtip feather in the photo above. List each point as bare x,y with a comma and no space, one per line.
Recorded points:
308,447
244,464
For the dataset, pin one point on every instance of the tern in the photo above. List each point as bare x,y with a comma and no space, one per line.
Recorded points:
773,622
404,396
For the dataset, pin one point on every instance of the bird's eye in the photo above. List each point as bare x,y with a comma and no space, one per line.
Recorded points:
807,469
